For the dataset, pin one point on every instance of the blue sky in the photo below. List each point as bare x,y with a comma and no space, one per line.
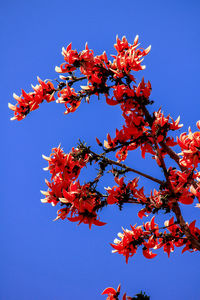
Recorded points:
42,259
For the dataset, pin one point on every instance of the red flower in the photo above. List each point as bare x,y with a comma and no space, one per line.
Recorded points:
143,89
71,57
54,190
112,293
28,102
83,203
123,192
148,254
129,58
69,97
130,239
180,185
190,145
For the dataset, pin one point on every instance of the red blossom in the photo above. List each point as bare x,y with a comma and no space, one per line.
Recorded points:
129,58
112,293
69,97
180,187
31,101
130,240
190,146
81,202
162,125
122,192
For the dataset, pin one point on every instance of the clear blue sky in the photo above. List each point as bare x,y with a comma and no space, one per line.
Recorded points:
42,259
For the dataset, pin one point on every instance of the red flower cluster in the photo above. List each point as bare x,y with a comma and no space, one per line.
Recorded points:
161,125
79,200
83,203
190,146
98,68
162,199
122,193
180,182
150,237
94,67
136,132
128,58
150,132
31,101
181,190
69,97
131,239
65,164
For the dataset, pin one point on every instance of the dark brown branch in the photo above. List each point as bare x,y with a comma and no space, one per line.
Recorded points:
172,154
128,169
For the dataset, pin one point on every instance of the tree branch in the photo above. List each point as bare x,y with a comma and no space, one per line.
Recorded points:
128,169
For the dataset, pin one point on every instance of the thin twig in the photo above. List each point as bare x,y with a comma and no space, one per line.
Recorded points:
128,169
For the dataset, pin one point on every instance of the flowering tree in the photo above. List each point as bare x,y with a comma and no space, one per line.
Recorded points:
152,132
